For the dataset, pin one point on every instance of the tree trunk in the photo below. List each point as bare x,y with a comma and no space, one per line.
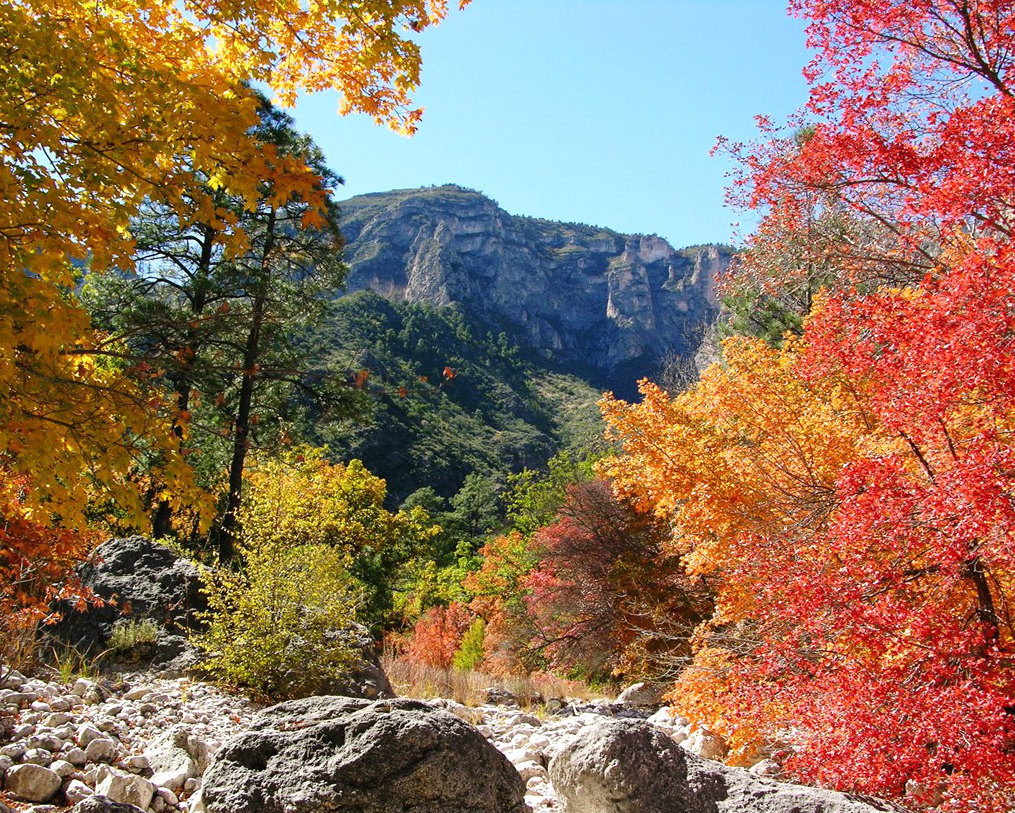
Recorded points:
241,432
163,514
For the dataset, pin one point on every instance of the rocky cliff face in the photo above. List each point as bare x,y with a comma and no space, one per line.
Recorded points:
612,307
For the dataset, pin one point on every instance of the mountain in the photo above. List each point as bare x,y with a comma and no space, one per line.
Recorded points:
531,318
606,306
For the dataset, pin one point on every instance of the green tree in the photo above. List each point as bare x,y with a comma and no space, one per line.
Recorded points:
217,314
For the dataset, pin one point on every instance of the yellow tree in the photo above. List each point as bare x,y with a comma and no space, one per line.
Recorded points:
106,103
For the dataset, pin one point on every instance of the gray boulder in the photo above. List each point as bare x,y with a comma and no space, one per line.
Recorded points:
627,766
33,783
103,804
140,579
334,754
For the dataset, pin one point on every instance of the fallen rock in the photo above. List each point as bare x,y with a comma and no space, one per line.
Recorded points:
365,678
145,579
627,766
33,783
703,743
176,756
331,754
103,804
125,788
641,696
76,791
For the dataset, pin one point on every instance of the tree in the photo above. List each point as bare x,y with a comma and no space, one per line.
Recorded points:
300,497
437,636
107,105
221,323
849,494
860,570
609,596
36,571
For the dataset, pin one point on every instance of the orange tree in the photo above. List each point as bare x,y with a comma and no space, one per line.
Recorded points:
851,494
862,571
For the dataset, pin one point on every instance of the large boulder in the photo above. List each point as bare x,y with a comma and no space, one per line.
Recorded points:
33,783
138,579
627,766
333,754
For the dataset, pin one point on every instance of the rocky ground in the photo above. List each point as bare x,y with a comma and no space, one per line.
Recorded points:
148,741
144,742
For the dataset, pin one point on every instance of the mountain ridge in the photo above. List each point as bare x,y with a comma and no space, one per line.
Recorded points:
607,306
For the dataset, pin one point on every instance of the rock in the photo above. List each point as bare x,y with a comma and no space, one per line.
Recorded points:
77,757
144,579
76,790
366,678
101,750
46,741
37,756
62,768
470,715
176,756
12,679
33,783
667,716
87,733
103,804
640,695
627,766
766,767
330,754
82,685
15,751
136,763
703,743
529,769
500,697
125,787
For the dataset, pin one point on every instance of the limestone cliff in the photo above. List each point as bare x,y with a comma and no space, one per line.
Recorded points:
609,306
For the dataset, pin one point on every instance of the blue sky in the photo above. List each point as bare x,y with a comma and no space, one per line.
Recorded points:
595,111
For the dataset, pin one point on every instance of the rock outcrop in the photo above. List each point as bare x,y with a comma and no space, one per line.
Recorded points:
331,754
608,306
137,579
628,766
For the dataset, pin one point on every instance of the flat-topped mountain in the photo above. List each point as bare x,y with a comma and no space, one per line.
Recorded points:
608,306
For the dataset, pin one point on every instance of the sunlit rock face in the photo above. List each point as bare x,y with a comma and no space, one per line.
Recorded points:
609,306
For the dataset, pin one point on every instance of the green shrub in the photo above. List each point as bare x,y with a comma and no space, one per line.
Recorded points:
280,624
129,634
470,652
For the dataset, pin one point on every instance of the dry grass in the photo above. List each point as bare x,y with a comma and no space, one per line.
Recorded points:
470,688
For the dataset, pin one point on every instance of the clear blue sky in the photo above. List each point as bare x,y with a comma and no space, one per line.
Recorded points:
595,111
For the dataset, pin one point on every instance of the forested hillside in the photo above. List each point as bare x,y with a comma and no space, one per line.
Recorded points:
448,398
